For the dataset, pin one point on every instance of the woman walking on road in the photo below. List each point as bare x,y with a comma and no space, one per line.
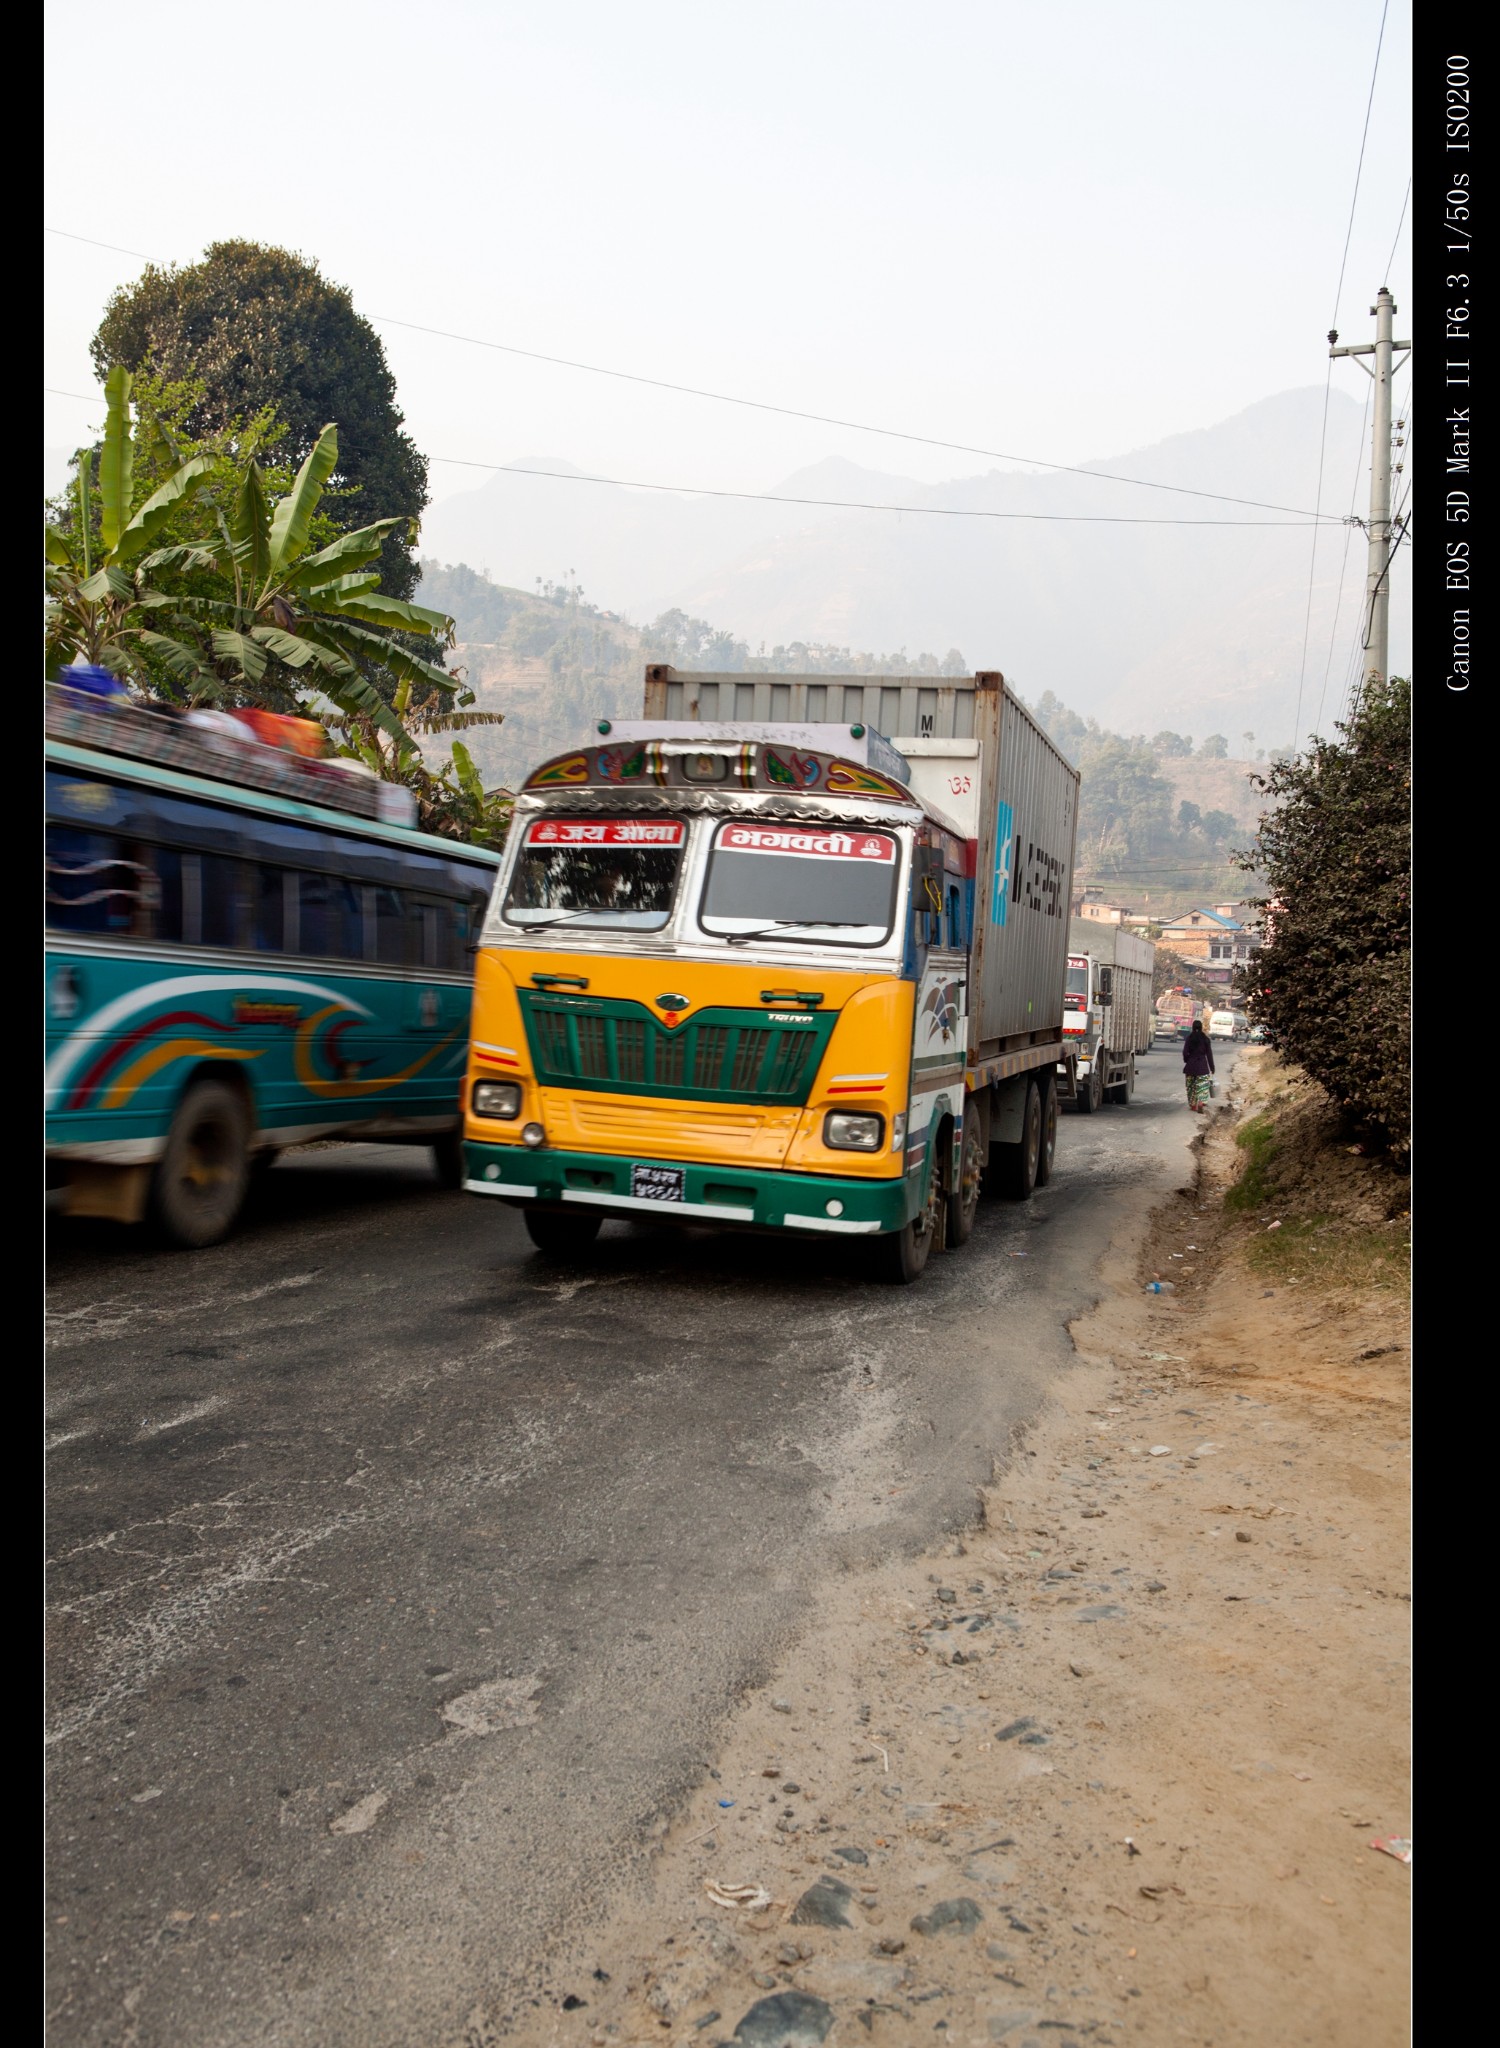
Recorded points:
1197,1066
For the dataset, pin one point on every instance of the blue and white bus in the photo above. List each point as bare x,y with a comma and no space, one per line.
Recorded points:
245,951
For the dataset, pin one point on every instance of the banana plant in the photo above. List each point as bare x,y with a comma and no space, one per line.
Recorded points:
99,596
279,609
243,607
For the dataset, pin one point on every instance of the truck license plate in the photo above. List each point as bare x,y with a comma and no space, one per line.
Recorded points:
658,1183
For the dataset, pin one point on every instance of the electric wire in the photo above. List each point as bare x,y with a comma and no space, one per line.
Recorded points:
1328,381
624,483
764,405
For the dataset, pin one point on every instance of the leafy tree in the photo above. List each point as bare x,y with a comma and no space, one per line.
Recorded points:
259,327
1333,979
1249,739
1189,817
1215,747
1171,746
1217,826
245,608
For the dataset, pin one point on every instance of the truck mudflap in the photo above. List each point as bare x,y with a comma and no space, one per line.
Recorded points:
606,1184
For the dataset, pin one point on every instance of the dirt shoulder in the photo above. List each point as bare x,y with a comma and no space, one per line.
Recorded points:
1111,1766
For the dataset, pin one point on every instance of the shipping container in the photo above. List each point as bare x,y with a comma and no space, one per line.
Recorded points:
976,758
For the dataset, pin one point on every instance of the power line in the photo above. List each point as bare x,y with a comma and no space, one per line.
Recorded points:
764,405
1399,225
1344,564
831,504
1312,562
1328,382
1359,167
856,505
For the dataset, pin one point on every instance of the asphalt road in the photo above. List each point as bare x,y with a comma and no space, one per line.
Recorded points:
400,1580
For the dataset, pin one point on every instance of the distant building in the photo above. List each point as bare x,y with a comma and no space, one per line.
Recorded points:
1215,937
1107,913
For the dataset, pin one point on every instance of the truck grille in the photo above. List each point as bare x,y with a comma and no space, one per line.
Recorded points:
726,1055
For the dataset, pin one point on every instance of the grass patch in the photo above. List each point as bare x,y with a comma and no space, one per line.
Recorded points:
1257,1139
1356,1256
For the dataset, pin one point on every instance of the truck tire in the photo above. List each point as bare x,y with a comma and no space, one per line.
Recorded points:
448,1159
1048,1149
201,1179
901,1255
1123,1090
1017,1163
963,1202
561,1233
1090,1094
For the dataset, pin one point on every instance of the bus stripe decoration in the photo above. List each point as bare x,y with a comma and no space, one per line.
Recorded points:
84,1039
112,1055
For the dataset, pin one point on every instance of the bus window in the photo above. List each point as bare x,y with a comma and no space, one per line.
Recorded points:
268,909
218,900
331,917
390,927
99,883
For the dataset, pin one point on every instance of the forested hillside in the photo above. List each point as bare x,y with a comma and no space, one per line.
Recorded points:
1158,816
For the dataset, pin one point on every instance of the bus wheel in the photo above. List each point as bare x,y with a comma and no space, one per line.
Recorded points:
200,1181
904,1253
1047,1151
561,1233
448,1159
963,1203
1018,1162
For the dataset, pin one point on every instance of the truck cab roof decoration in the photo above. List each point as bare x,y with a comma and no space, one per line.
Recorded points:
748,764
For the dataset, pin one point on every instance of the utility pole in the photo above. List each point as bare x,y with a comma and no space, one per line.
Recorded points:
1378,532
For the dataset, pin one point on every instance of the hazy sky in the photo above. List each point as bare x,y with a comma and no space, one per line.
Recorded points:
1065,231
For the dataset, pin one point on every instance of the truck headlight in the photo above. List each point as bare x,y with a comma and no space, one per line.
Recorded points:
496,1098
848,1131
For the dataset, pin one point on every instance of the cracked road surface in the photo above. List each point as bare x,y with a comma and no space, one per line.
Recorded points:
400,1580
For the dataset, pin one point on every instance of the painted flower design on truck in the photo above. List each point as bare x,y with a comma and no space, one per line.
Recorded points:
941,1009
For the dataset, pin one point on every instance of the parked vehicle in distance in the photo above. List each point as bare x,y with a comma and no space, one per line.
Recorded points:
1107,1017
1258,1034
1229,1024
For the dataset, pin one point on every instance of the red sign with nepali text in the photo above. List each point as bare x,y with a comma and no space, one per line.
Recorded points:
605,832
808,845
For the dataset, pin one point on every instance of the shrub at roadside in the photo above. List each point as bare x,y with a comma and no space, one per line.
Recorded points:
1332,981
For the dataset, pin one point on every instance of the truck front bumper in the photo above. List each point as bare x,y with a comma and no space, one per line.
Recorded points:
760,1199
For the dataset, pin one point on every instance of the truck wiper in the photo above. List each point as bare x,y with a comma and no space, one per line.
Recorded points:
563,917
787,924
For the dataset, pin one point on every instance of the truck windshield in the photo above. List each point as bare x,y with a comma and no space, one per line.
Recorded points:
1076,993
815,884
619,873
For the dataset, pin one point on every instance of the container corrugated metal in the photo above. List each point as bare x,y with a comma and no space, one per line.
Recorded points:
1027,812
922,707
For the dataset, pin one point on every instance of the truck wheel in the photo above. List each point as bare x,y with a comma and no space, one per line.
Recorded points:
1090,1094
201,1179
448,1160
963,1203
902,1254
1048,1150
561,1234
1018,1163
